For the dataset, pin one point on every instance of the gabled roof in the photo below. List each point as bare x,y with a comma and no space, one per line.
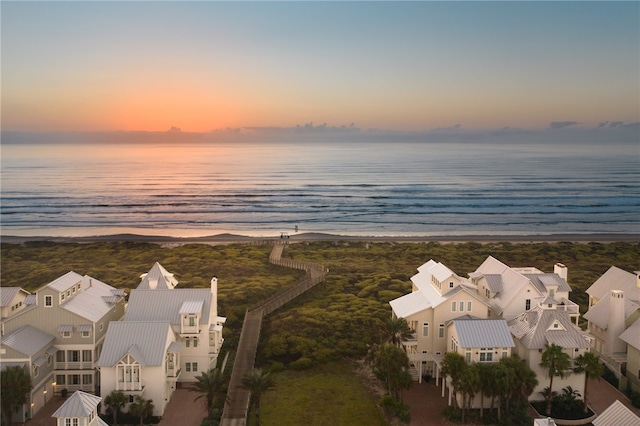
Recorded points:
632,335
165,305
7,294
511,282
28,340
494,282
543,281
614,279
93,301
483,333
535,331
617,414
599,313
79,404
409,304
157,278
65,282
145,341
422,279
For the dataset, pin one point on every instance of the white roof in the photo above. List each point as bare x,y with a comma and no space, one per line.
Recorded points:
145,341
65,282
79,404
165,305
534,329
614,279
28,340
617,414
599,313
191,307
7,294
93,302
632,335
409,304
483,333
157,278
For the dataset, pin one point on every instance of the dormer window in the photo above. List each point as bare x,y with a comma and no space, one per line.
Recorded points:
451,284
71,422
48,301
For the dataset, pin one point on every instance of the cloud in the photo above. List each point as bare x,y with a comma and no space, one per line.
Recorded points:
616,123
454,127
562,124
603,124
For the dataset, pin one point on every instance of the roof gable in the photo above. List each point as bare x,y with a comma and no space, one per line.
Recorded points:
157,278
145,341
79,404
632,335
613,279
409,304
8,294
65,282
94,301
535,329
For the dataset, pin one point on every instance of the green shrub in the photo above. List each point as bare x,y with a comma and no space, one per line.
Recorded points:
393,407
301,364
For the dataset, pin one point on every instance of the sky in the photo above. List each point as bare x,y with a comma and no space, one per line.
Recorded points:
403,66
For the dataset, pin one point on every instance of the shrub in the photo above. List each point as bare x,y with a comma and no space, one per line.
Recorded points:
610,377
393,407
301,364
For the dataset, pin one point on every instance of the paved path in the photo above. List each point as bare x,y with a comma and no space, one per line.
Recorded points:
183,410
601,395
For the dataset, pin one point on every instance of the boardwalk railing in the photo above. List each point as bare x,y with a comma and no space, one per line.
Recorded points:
237,403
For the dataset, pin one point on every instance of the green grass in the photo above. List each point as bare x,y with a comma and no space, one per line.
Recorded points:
327,395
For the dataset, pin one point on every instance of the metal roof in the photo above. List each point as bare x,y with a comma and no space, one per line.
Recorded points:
79,404
84,327
542,281
614,279
145,341
65,327
409,304
40,361
175,347
5,365
31,299
532,328
157,278
7,294
632,334
617,414
191,307
599,313
165,305
65,282
28,340
483,333
494,282
90,303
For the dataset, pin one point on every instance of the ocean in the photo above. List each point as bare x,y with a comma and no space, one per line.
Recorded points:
353,188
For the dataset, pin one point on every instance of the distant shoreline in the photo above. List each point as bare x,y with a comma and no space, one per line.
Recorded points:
227,238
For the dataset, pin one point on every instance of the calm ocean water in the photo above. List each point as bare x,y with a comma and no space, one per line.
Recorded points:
386,189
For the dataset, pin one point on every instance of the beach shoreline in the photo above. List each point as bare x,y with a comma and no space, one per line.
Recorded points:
228,238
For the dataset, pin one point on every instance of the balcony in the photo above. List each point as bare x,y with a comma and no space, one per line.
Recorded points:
412,340
173,373
130,387
73,365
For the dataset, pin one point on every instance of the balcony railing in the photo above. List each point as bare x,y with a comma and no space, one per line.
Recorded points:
570,307
130,386
411,340
72,365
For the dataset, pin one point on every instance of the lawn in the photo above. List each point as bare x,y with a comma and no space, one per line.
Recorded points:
329,394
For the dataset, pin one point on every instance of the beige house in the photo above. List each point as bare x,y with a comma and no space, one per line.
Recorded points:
12,301
438,296
67,321
543,325
631,337
168,336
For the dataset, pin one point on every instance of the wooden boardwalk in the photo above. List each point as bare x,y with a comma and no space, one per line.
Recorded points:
237,403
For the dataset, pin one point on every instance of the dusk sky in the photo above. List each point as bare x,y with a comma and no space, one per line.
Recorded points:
201,66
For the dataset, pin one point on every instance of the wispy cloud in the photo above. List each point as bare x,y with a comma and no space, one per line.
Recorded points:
562,124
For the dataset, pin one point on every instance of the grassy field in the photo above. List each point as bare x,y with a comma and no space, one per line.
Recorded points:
328,395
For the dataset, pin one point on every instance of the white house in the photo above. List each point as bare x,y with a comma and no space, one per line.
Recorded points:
168,336
80,409
544,325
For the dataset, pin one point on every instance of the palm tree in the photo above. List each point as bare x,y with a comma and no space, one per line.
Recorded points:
525,378
141,408
390,365
589,364
15,384
453,366
210,384
395,330
469,385
556,361
115,401
485,376
257,382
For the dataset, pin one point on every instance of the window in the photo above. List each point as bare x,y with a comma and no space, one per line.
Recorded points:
467,356
75,422
469,306
504,353
461,306
36,370
451,284
101,326
62,296
194,366
86,333
187,342
425,329
441,331
66,334
67,422
48,301
527,304
487,293
187,366
552,293
86,355
192,321
453,306
74,356
486,354
60,379
60,356
195,342
87,379
74,379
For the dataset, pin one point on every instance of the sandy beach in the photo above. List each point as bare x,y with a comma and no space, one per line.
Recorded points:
226,238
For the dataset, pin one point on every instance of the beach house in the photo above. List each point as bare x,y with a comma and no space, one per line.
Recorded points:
168,336
80,409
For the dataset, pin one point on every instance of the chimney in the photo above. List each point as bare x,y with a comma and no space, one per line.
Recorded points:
214,299
561,270
615,326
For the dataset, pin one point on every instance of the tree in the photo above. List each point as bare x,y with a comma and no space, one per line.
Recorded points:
210,384
390,364
15,384
395,330
469,386
141,408
589,364
485,384
115,401
257,382
453,365
525,378
556,361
